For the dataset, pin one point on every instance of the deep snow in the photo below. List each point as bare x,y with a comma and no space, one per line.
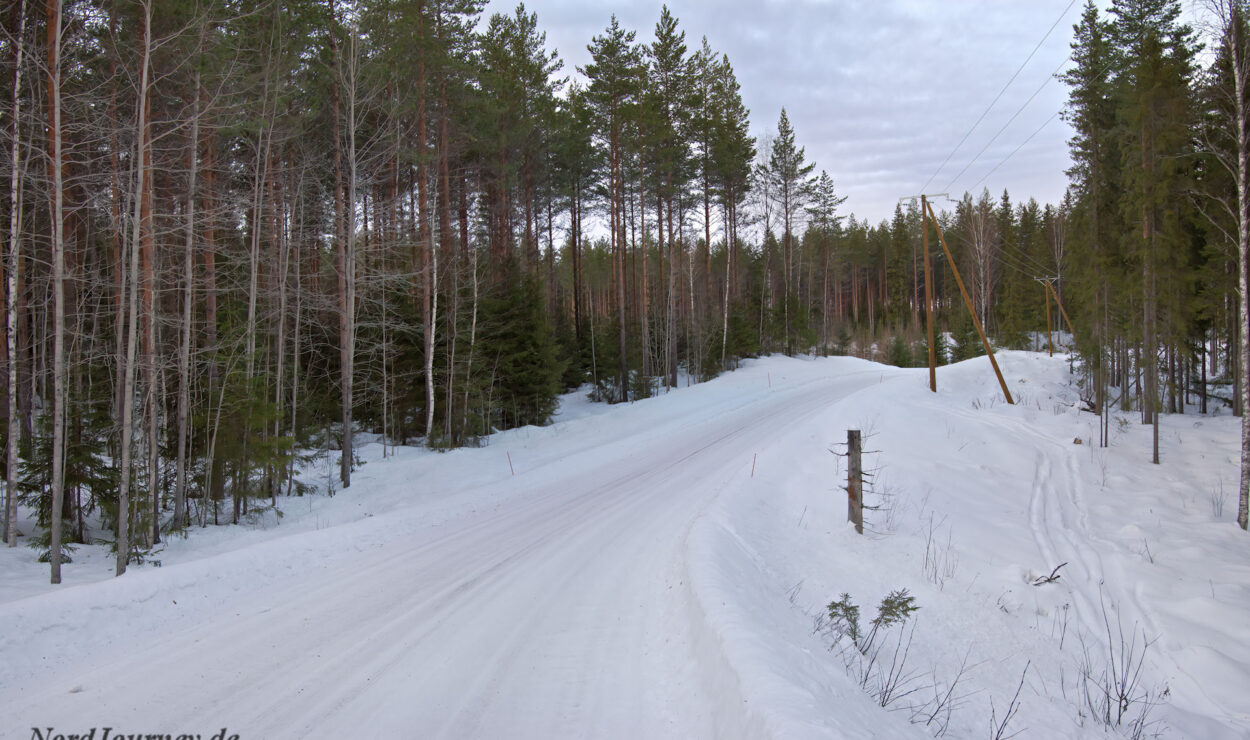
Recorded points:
654,570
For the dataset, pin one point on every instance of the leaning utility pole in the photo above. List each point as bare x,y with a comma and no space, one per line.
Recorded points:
1050,285
926,214
989,351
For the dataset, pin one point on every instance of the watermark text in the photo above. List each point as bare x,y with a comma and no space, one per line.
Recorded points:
113,733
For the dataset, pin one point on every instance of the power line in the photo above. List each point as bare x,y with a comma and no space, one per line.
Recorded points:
1014,257
1019,110
988,108
1046,123
1053,116
1018,262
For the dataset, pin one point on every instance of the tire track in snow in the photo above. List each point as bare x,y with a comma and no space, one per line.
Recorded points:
564,610
1107,593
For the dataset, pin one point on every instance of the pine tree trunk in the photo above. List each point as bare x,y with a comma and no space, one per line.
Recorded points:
707,240
278,235
188,292
644,283
118,238
729,259
348,301
468,367
215,483
295,356
671,352
425,243
148,254
56,164
576,244
344,208
1150,354
616,196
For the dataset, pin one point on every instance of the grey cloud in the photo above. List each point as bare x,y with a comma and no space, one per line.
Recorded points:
879,92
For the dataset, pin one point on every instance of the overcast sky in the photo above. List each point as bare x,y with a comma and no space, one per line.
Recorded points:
879,92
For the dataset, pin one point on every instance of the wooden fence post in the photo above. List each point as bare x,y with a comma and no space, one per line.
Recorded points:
854,481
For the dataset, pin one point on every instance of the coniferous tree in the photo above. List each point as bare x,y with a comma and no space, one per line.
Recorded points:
1155,53
669,105
1096,178
788,174
615,74
733,149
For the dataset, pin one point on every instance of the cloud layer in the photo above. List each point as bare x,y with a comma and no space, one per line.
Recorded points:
879,92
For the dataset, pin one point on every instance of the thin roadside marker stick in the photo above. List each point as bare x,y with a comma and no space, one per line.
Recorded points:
754,457
510,464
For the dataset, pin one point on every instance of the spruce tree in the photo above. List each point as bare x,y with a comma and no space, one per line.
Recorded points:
1096,177
789,176
1155,55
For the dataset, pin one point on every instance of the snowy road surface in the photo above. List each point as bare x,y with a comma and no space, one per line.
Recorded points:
654,570
555,604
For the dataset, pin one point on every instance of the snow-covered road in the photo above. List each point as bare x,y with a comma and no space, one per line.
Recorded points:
559,604
653,570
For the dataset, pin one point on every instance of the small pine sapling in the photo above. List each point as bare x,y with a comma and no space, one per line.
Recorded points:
894,609
844,618
886,678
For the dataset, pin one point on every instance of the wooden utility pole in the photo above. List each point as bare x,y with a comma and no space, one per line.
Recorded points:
928,284
1050,342
1054,294
854,481
928,297
989,351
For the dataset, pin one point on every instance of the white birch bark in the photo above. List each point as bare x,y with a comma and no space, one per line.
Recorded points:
132,329
14,252
1238,55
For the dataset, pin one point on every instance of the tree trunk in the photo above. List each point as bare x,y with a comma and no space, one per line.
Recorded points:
11,287
147,248
1238,51
56,165
729,259
188,292
344,207
215,483
425,243
131,277
671,352
616,192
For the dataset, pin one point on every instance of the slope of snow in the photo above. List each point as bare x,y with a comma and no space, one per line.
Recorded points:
999,495
653,570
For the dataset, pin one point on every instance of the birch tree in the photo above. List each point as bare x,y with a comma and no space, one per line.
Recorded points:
130,283
13,260
1231,148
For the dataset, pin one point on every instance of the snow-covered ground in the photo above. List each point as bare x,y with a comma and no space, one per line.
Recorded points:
654,570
